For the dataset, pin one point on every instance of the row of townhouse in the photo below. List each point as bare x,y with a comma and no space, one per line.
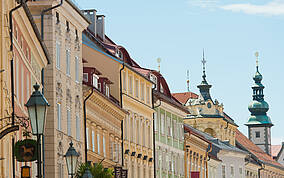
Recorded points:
132,118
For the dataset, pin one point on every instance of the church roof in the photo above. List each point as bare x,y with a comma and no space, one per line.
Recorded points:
255,150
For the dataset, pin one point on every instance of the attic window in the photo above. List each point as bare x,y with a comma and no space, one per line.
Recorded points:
57,17
153,78
67,26
107,91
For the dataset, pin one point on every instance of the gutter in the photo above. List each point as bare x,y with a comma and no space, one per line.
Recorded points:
12,78
120,85
42,73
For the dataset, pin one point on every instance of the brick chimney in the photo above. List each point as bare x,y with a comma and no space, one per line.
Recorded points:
91,14
100,26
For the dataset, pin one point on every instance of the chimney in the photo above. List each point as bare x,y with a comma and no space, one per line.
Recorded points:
101,26
91,15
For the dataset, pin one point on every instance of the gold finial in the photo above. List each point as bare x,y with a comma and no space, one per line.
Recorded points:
187,81
159,66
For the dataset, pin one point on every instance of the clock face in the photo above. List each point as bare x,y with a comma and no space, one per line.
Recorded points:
209,105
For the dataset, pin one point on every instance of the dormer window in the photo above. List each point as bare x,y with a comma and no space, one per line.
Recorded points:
153,78
95,80
85,77
119,54
107,91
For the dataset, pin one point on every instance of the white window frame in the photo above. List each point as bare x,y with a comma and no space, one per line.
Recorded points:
107,90
69,128
85,77
93,140
68,62
58,55
95,81
77,78
59,116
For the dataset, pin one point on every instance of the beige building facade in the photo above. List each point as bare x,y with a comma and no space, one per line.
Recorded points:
29,57
63,28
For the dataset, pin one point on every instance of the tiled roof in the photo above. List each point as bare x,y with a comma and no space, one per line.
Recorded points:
183,97
142,71
275,150
255,150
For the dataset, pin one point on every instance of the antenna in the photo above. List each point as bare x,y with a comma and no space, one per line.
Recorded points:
159,66
187,81
203,61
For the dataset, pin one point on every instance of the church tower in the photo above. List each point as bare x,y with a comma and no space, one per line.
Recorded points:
259,124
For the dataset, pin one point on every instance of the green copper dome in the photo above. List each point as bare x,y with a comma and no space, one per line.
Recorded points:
257,77
258,107
259,120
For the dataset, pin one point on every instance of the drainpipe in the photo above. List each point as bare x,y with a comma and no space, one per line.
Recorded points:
207,153
262,168
12,78
42,73
85,124
120,84
154,141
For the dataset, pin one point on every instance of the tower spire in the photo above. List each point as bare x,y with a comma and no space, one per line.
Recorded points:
256,55
203,66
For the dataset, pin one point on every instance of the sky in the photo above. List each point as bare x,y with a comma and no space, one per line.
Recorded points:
230,32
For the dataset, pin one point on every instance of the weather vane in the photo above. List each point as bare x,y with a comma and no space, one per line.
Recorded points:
256,55
203,63
159,66
187,81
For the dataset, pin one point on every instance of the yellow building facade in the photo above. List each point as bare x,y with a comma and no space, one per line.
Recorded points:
104,119
29,57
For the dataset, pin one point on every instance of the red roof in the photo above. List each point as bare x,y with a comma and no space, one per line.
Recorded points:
255,150
183,97
275,149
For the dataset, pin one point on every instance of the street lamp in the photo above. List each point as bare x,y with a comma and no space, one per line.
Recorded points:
37,107
87,173
71,157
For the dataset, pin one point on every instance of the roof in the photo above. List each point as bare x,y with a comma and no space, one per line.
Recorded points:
185,96
255,150
78,10
275,149
43,46
217,144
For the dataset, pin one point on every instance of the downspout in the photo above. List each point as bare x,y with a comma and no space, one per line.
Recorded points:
262,168
120,85
206,164
154,141
85,124
12,78
42,74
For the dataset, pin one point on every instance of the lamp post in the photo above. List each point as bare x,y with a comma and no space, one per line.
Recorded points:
71,157
87,173
37,108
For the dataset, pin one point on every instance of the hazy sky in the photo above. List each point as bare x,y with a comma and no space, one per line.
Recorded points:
229,31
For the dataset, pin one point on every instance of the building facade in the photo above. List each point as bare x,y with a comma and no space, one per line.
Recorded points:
131,89
29,57
62,33
104,118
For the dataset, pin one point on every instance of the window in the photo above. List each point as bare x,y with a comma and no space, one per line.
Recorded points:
68,122
130,84
162,123
93,141
98,143
142,92
87,137
241,172
95,80
57,55
58,116
99,86
232,171
223,171
57,17
68,62
67,26
78,126
257,134
153,78
148,95
107,91
22,84
169,126
85,77
76,35
136,88
77,69
124,80
104,146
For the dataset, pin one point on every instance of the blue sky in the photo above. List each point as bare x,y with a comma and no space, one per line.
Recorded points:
229,31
